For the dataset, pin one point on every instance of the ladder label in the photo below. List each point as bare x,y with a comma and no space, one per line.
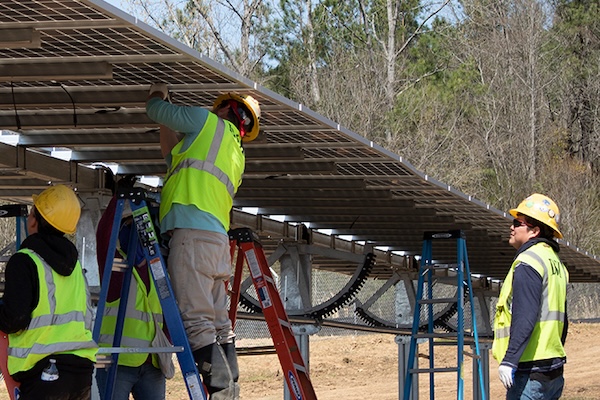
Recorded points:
157,269
160,279
294,385
193,384
146,232
265,299
253,264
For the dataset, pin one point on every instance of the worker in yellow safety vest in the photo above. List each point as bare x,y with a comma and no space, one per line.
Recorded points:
204,171
46,307
530,327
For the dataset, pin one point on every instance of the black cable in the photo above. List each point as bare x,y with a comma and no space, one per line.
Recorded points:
72,102
12,90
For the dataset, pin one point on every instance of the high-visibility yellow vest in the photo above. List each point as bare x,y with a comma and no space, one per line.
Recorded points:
545,341
138,326
60,323
208,173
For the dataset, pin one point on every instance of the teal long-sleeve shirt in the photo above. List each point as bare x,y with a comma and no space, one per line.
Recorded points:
189,121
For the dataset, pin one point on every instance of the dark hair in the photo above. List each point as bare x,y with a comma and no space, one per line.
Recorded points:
234,119
44,226
545,231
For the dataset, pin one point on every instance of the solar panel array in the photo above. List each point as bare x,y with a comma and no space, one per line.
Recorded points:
75,74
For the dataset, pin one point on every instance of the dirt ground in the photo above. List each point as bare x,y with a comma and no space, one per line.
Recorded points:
365,366
359,367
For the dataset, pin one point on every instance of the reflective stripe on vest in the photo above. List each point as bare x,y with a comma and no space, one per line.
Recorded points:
60,322
138,328
551,318
208,173
208,165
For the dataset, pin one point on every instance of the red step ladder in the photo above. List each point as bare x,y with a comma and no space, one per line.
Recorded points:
250,251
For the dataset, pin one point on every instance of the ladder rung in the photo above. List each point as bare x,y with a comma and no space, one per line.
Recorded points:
255,350
440,266
119,265
120,350
445,343
448,279
453,343
284,323
432,370
440,300
435,335
300,368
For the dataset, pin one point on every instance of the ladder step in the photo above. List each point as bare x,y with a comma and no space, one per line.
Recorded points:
445,343
438,301
432,370
104,356
434,335
445,279
152,350
119,265
255,350
439,266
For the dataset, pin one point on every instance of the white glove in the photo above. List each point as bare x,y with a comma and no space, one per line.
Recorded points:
159,87
507,375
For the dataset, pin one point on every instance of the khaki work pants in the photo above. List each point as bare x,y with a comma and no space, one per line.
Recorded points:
199,264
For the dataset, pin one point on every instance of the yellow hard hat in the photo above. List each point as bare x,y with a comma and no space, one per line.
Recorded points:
541,208
251,104
60,207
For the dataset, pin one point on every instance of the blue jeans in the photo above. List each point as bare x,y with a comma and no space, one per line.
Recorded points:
145,383
525,388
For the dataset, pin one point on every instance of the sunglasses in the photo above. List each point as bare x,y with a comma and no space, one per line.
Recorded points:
517,223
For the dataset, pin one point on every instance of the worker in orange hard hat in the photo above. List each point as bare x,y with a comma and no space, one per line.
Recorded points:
530,327
46,305
204,171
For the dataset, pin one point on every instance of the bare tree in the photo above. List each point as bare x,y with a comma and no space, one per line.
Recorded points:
576,102
507,40
230,32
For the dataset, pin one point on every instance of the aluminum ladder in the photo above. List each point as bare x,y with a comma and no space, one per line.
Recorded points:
428,273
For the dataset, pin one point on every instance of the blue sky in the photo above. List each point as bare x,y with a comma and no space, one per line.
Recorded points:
116,3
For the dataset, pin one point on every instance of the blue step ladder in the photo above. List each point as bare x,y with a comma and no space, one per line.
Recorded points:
144,235
428,273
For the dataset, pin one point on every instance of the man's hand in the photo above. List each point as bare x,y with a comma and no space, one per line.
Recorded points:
507,375
159,88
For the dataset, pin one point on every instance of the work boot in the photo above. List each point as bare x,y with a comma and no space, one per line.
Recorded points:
229,349
216,373
203,358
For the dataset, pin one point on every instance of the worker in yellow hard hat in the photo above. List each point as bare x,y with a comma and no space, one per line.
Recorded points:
46,305
204,171
530,327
